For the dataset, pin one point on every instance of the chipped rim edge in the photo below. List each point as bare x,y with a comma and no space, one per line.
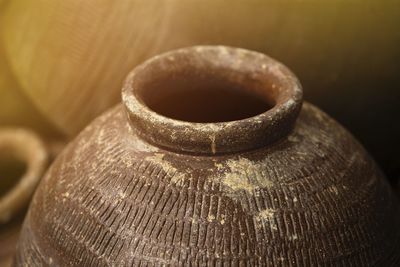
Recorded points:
221,137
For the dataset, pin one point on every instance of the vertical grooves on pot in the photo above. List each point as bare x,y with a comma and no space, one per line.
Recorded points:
141,210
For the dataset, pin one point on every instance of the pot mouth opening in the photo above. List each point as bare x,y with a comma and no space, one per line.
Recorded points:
211,100
196,95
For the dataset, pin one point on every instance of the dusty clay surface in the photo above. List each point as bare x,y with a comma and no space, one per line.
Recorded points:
312,198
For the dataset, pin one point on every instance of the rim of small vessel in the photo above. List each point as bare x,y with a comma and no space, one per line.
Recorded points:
219,137
29,149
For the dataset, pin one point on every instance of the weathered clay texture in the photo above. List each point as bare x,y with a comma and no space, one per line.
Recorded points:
312,197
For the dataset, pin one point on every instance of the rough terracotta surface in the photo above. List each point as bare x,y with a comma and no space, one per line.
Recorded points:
134,191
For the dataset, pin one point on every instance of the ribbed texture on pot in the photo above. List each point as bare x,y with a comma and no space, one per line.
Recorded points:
314,198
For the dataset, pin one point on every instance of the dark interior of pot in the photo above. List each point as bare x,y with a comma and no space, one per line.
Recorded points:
198,97
11,171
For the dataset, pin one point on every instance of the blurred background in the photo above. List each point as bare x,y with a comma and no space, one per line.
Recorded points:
62,63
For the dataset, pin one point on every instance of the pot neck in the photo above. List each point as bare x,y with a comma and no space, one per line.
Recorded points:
188,76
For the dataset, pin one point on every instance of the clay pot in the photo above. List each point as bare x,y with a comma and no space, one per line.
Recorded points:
23,159
212,159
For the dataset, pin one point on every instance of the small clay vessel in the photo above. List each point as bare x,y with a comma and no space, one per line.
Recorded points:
212,160
23,160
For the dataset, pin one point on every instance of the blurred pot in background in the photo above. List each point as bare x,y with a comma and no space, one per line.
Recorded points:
23,160
70,57
16,109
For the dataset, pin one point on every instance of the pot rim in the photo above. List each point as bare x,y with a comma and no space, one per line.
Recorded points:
243,66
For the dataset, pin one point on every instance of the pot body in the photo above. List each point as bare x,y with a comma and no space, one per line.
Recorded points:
313,198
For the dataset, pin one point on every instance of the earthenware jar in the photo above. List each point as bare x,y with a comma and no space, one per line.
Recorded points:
23,159
212,160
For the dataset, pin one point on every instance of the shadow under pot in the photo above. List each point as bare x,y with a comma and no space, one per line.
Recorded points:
212,159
